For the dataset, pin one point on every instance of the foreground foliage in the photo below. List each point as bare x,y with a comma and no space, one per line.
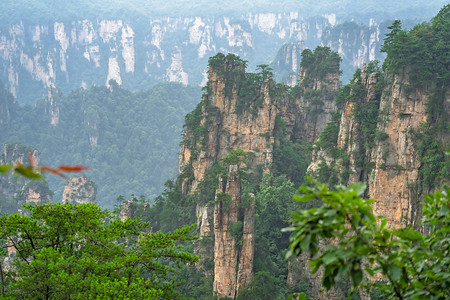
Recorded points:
414,265
65,251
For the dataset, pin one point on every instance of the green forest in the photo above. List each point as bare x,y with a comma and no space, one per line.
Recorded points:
121,135
148,247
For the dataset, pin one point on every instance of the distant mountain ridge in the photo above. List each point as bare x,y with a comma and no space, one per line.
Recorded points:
138,47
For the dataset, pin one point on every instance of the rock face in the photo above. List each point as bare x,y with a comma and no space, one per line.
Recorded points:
6,106
81,53
127,210
233,131
287,62
317,103
395,179
377,141
388,160
80,190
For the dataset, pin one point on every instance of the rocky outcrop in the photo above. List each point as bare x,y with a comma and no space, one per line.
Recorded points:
51,107
385,155
227,222
6,106
317,103
127,210
80,190
350,140
287,62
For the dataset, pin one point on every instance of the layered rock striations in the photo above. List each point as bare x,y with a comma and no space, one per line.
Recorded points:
377,141
392,128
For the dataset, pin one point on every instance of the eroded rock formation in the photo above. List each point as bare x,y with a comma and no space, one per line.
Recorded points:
237,116
80,189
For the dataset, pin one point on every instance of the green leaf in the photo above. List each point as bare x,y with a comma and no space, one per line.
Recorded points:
4,169
395,272
357,275
299,296
304,245
370,271
360,187
329,258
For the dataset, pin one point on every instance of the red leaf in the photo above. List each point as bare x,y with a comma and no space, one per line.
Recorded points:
53,171
65,168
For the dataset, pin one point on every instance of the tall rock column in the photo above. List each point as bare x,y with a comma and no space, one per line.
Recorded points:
319,87
226,218
394,180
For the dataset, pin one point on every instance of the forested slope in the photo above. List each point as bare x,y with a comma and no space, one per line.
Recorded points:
130,140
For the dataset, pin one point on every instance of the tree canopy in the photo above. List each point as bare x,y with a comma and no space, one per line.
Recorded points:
65,251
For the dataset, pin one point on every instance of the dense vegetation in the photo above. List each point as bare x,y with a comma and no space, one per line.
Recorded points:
414,265
321,62
65,251
130,140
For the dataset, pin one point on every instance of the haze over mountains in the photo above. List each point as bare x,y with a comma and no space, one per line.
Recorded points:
76,44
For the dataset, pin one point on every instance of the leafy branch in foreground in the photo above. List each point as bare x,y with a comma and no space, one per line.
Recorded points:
413,265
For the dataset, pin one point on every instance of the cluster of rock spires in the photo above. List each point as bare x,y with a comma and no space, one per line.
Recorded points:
392,177
226,121
251,131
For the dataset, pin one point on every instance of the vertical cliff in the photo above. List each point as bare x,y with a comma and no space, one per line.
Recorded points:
392,129
377,141
342,152
81,52
319,84
230,132
6,106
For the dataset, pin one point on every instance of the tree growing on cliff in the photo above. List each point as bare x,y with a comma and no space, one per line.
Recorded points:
413,265
65,251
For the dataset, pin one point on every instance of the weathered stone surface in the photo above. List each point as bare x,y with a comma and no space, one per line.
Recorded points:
396,159
226,213
245,269
315,113
80,190
127,210
393,180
